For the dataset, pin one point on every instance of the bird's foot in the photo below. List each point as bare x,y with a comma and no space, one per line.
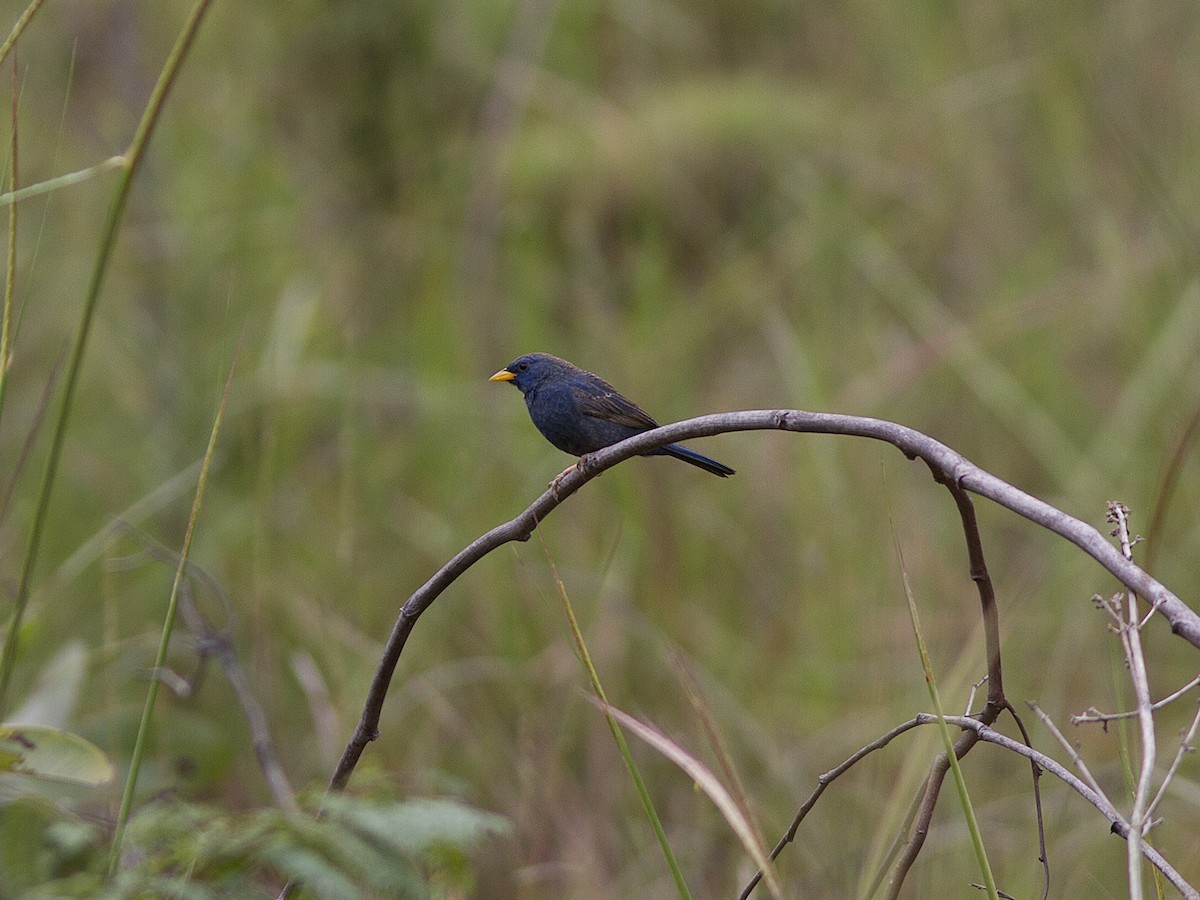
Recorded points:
559,477
583,465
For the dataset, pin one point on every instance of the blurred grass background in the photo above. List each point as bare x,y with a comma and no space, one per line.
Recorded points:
977,220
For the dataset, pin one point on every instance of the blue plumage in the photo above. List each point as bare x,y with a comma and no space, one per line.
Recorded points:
580,413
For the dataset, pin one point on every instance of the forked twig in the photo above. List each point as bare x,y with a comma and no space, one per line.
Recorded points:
1094,715
986,734
1072,751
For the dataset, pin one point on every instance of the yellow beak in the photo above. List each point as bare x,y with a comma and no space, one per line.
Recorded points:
503,375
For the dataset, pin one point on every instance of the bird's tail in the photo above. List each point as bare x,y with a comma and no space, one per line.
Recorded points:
696,459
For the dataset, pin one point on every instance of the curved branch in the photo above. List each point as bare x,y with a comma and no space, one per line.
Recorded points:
947,465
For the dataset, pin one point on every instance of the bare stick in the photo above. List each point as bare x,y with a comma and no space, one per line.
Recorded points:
1036,771
1186,745
1094,715
1072,752
823,781
987,734
949,467
218,642
1131,642
1119,826
920,830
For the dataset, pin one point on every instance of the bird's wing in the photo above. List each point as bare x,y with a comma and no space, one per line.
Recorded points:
605,403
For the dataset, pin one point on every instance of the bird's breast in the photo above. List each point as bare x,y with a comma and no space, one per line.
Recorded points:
560,421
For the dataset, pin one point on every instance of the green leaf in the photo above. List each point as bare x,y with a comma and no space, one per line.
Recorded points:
53,697
313,871
417,825
53,754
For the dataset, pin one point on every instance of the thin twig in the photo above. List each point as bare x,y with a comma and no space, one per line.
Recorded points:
1119,825
1072,751
989,735
1094,715
920,830
823,781
1131,642
218,642
1043,856
974,690
1186,746
987,601
220,645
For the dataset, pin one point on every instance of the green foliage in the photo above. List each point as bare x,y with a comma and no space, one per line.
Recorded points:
358,848
978,221
40,845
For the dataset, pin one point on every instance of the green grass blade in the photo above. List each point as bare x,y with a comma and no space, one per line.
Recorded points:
618,735
19,28
960,782
139,746
14,195
108,239
10,270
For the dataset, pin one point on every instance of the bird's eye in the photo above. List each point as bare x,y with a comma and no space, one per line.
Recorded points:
522,367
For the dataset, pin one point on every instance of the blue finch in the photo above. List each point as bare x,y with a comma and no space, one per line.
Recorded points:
580,413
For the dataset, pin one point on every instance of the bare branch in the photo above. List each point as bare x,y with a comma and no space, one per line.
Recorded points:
987,734
1072,752
823,781
987,600
950,468
1119,826
920,830
1094,715
948,465
1131,642
1186,745
996,701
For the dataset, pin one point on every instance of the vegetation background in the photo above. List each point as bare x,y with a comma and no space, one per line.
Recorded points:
975,219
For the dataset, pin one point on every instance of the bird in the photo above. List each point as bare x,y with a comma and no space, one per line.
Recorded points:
580,413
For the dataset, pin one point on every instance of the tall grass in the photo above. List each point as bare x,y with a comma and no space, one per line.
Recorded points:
970,220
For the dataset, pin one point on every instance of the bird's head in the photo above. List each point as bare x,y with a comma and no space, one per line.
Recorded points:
529,371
